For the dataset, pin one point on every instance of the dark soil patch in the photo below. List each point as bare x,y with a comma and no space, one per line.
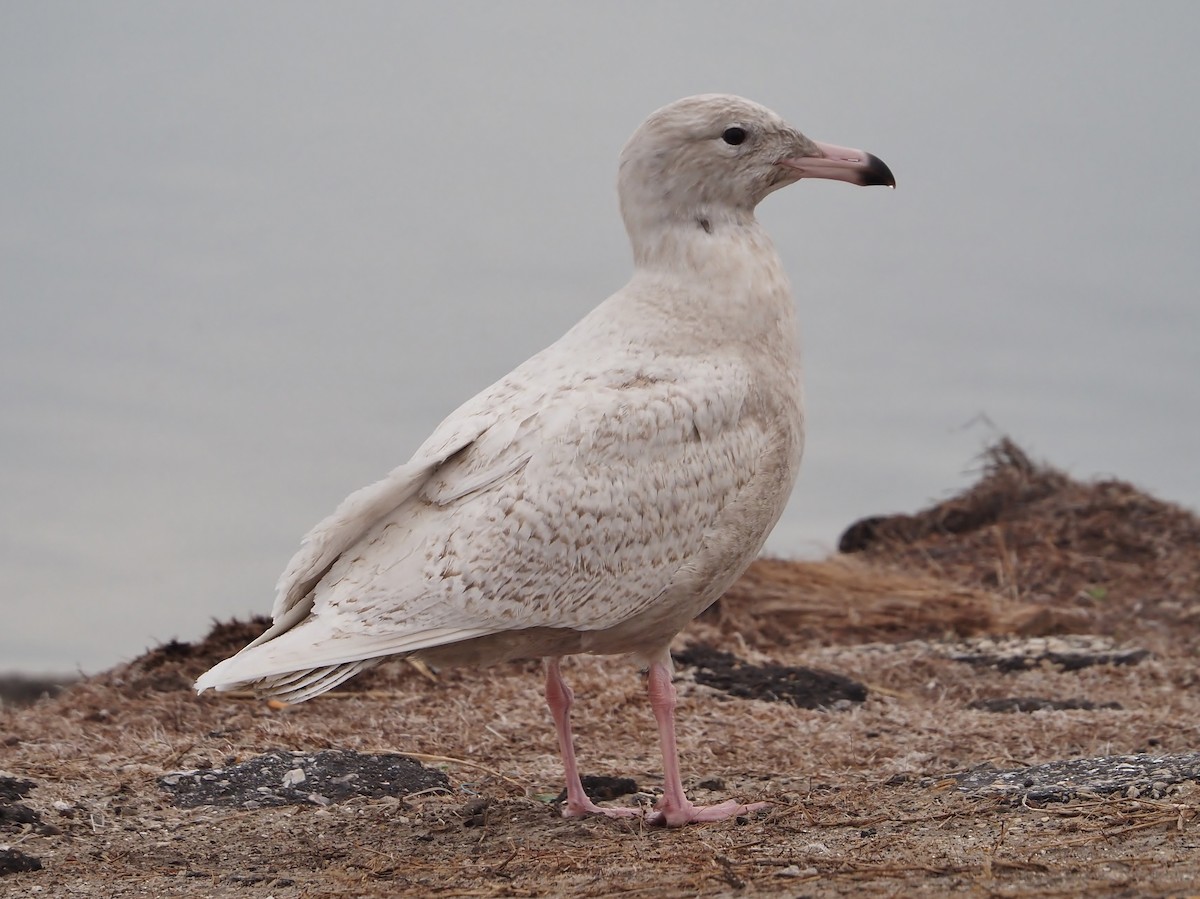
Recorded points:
1133,776
805,688
1039,704
14,788
1068,653
15,814
601,789
299,778
13,861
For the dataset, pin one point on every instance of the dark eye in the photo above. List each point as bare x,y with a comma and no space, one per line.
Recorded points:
734,135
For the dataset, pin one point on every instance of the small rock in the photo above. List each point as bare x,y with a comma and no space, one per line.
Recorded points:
293,777
474,807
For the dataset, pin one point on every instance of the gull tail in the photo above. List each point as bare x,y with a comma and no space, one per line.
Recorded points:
312,658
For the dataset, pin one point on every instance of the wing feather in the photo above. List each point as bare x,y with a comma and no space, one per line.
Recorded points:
333,535
577,517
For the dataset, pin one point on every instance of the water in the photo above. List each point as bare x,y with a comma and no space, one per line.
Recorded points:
252,255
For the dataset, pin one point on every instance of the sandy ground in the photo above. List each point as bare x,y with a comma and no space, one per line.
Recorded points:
1097,585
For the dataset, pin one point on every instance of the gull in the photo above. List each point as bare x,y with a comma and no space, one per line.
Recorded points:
607,490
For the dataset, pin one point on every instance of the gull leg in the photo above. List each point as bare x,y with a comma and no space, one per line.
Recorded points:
675,809
560,698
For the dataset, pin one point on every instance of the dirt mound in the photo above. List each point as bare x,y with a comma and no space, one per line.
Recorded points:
175,665
1029,532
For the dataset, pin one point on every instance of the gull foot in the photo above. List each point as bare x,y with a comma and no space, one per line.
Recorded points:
679,815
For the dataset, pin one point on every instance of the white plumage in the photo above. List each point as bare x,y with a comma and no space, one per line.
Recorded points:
610,488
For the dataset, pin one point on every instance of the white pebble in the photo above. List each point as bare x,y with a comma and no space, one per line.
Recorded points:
293,777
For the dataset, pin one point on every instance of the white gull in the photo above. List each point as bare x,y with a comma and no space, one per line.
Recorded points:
609,489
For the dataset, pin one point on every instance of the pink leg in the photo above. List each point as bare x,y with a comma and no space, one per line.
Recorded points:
675,809
560,698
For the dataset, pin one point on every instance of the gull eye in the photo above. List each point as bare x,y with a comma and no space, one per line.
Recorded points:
734,136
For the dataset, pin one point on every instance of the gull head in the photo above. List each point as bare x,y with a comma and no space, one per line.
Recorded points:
711,159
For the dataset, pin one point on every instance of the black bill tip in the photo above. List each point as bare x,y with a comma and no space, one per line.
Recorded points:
876,172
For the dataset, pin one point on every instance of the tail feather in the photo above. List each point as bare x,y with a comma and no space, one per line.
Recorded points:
312,683
312,658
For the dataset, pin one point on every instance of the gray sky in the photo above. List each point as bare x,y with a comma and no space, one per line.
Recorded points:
252,253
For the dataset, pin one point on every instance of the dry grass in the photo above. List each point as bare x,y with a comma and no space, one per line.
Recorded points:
860,801
1028,532
849,599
